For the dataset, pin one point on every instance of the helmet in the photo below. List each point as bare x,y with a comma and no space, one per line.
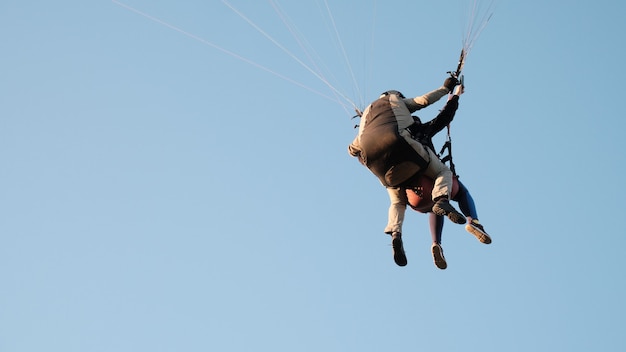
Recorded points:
392,92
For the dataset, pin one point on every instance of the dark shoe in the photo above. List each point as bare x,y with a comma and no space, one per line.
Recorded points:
438,258
398,249
475,228
444,208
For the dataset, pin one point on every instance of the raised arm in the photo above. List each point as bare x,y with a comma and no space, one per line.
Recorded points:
414,104
445,116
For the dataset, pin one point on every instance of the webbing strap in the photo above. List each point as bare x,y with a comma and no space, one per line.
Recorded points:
448,158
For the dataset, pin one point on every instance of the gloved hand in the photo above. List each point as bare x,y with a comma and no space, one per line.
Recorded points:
450,83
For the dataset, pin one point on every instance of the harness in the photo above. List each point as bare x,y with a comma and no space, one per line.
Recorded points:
385,152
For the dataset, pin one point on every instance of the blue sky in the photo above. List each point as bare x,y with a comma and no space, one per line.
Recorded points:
162,194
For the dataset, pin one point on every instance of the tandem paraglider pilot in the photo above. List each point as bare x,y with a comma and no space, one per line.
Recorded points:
384,145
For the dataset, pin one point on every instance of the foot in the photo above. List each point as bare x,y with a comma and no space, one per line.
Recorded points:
438,258
444,208
475,228
398,249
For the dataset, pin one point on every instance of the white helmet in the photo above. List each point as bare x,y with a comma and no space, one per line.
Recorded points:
392,92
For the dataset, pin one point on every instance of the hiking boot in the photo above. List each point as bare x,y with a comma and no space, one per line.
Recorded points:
438,258
475,228
444,208
398,249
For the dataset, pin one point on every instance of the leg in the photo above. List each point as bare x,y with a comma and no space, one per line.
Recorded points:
397,208
442,175
436,226
436,229
439,172
466,203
